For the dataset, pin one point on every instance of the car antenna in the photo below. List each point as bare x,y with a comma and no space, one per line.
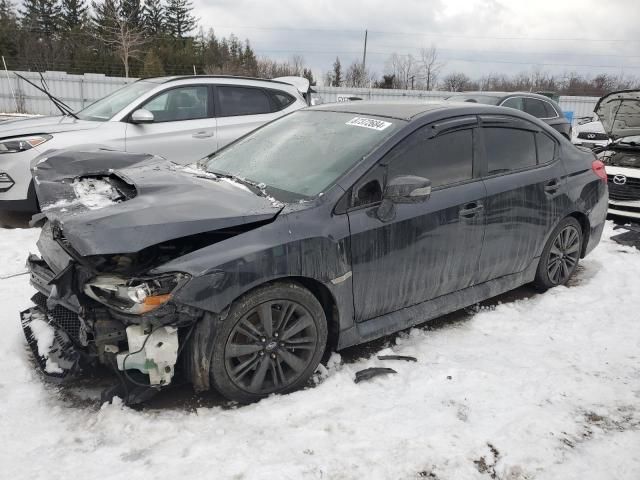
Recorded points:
63,107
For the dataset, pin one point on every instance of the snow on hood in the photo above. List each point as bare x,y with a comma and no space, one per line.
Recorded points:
31,126
619,113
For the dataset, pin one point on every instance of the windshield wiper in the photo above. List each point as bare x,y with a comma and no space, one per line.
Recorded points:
254,187
63,107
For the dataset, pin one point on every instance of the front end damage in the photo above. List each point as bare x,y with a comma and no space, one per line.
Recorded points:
77,326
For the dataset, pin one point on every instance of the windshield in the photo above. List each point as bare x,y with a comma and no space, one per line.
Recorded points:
485,99
305,152
105,108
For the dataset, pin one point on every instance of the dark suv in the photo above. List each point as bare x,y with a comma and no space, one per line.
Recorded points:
330,227
540,106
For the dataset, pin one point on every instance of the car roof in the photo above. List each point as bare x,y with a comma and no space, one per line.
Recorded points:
503,95
398,110
174,78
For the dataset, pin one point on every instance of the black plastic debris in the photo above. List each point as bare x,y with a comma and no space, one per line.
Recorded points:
406,358
630,238
369,373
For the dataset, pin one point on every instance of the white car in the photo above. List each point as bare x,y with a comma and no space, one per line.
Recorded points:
619,113
590,134
181,119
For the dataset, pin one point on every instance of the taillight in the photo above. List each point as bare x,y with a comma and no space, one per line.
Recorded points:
598,168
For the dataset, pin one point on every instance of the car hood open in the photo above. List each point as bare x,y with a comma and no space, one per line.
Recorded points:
619,113
35,125
155,200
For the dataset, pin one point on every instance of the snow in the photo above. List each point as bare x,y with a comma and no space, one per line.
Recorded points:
95,193
44,336
537,386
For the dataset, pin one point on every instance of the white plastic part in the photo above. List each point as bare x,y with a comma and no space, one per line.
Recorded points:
157,358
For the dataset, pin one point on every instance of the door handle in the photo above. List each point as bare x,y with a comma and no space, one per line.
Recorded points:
552,186
471,209
203,135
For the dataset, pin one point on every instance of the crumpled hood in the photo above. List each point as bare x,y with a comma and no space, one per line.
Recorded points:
31,126
619,113
162,201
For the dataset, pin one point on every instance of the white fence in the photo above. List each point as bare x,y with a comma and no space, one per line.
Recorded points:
78,91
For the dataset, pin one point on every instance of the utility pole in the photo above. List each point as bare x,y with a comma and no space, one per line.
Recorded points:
364,55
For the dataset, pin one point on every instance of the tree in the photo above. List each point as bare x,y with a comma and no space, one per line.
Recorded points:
404,69
308,74
357,76
73,15
337,73
8,28
430,66
120,34
153,15
132,10
456,82
152,65
179,19
41,17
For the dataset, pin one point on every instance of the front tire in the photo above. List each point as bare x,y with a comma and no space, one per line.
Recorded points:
271,342
560,256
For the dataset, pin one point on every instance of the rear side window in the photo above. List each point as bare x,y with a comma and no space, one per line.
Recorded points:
282,100
242,101
509,149
514,102
546,148
445,159
535,107
550,109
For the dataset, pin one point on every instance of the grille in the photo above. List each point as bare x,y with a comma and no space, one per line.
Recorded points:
630,191
592,136
62,317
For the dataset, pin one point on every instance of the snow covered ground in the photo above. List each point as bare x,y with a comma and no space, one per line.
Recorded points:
545,387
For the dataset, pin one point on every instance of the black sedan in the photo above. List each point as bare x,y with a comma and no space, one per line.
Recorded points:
330,227
540,106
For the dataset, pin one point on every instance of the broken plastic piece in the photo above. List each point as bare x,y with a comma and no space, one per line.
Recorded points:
630,238
406,358
369,373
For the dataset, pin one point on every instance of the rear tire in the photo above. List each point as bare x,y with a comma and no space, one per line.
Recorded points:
271,342
560,256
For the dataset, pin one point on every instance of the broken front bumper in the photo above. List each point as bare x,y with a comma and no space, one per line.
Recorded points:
67,338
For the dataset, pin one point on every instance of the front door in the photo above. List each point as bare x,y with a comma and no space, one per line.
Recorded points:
183,130
427,249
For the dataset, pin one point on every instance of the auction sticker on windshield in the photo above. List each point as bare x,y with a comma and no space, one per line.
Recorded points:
369,123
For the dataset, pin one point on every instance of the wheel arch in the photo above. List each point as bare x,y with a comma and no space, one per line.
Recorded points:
585,225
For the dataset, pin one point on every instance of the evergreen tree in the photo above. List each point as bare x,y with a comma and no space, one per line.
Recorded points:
8,28
132,12
41,16
337,73
74,15
179,19
152,65
153,15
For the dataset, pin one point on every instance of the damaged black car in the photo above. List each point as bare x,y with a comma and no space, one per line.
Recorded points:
329,227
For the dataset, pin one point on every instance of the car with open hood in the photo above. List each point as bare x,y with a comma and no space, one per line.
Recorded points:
179,118
329,227
619,113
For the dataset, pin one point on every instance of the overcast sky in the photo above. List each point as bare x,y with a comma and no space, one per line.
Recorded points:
474,36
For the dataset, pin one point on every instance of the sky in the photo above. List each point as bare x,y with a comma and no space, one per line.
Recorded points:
476,37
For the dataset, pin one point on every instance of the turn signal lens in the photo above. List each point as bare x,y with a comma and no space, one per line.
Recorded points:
598,168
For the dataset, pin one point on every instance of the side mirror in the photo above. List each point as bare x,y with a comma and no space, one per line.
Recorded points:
407,189
403,189
142,116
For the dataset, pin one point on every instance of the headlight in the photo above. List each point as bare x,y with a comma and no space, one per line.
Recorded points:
134,296
15,145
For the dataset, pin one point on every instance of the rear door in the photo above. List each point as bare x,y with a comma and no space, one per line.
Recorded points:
240,109
184,128
526,184
426,249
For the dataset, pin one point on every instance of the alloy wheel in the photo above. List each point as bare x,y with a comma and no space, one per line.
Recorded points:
564,255
270,347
